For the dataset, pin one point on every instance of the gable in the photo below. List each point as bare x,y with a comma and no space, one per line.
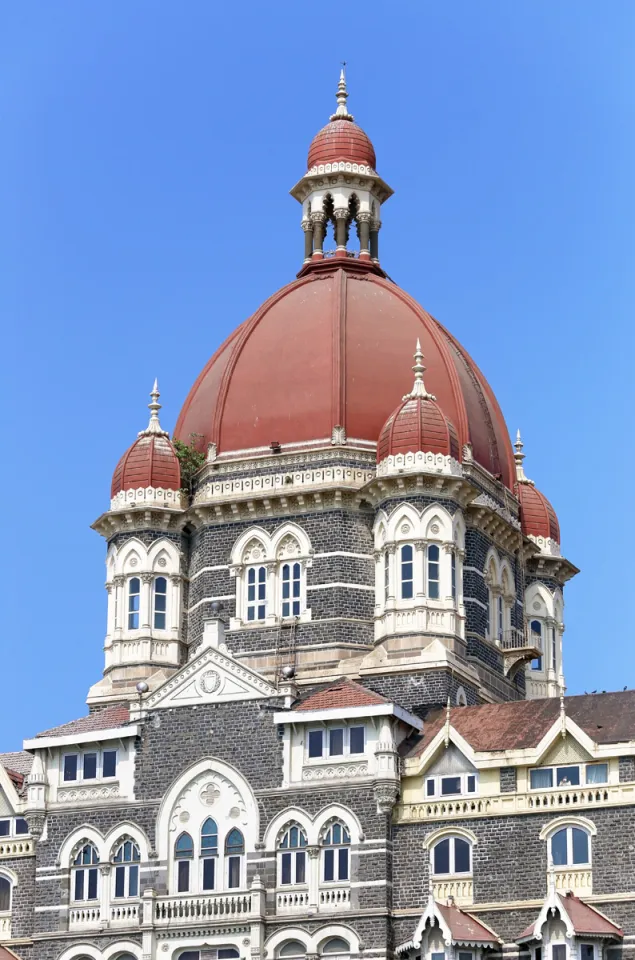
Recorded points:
214,676
566,750
448,761
6,810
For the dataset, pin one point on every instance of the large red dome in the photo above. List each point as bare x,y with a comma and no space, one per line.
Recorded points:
333,348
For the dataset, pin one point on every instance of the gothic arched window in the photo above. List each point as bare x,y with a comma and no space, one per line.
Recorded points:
234,853
183,855
335,842
292,856
86,874
209,853
451,855
126,860
535,633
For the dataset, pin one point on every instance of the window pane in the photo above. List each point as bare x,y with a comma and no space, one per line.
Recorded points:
159,621
461,856
442,857
471,783
315,743
285,868
79,884
133,885
586,951
540,779
5,894
5,828
183,883
450,786
430,788
357,739
110,763
329,863
406,572
234,842
568,776
70,766
21,826
300,867
342,858
558,952
120,882
233,873
580,846
336,743
559,848
465,955
90,766
184,847
597,773
209,866
227,953
92,884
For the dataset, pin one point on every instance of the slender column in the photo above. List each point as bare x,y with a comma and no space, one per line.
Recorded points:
419,570
174,607
120,611
374,239
145,613
341,216
363,221
313,854
318,220
307,226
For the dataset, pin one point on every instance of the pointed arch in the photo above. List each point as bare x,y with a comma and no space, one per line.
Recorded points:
404,523
125,831
74,840
433,516
285,817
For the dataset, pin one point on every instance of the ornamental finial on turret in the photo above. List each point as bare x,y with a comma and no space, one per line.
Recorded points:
154,406
342,96
418,389
519,456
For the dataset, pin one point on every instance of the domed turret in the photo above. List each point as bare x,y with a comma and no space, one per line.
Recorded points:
418,425
341,139
537,516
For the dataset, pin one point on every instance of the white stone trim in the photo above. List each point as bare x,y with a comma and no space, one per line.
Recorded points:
334,584
90,736
349,713
148,497
419,462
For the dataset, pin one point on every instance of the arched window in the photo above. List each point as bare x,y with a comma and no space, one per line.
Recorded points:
160,600
453,573
500,618
126,862
406,571
433,571
189,955
291,948
335,854
386,576
335,945
134,600
209,853
535,636
183,854
227,953
234,851
451,855
570,846
256,593
5,895
291,589
292,856
86,874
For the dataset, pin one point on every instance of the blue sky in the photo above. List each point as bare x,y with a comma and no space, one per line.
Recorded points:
147,152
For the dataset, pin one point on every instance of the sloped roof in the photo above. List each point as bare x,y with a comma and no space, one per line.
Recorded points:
464,927
106,719
341,693
585,919
521,724
6,954
18,762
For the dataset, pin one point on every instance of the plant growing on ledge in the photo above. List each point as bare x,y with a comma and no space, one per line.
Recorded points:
190,460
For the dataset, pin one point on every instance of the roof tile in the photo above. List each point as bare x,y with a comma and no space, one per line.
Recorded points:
341,693
106,719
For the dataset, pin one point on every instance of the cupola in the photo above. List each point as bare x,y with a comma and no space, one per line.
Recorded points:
149,470
538,518
417,432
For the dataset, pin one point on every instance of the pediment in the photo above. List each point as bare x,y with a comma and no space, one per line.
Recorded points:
213,676
566,750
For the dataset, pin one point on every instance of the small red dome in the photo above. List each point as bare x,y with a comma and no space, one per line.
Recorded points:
417,424
537,516
151,461
341,139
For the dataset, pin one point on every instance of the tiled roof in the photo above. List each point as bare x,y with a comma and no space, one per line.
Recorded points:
341,693
464,927
585,920
521,724
6,954
105,719
18,762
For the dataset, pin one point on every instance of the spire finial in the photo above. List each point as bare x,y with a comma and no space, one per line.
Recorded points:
342,96
563,712
447,722
519,456
418,389
154,426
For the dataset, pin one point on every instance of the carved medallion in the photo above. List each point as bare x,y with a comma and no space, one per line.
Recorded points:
209,794
210,681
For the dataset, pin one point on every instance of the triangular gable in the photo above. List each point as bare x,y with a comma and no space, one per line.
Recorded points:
213,676
553,739
8,793
449,760
566,750
444,738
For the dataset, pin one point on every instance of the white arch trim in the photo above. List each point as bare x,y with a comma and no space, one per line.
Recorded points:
85,832
9,875
290,815
124,831
567,821
271,542
463,833
108,953
213,766
335,811
104,844
313,941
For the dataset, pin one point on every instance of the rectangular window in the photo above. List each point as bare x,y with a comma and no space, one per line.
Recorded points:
133,884
558,951
568,776
597,773
92,884
442,857
233,872
183,876
430,788
160,602
356,744
553,649
453,564
471,783
407,572
300,867
437,956
450,786
89,766
342,863
386,576
109,765
329,864
21,826
465,955
120,882
209,869
285,865
316,743
336,743
541,779
586,951
5,828
256,593
70,766
538,953
79,884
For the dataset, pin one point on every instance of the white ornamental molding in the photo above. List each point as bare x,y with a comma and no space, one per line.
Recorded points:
341,166
87,794
419,462
148,496
284,483
340,771
547,546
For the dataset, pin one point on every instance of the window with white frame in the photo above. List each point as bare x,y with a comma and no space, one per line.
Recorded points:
433,576
386,576
291,580
568,775
570,846
159,603
335,945
406,571
134,602
87,765
336,741
13,827
270,572
535,634
291,948
256,593
183,858
451,855
126,872
6,889
335,842
451,785
209,854
85,874
234,856
453,574
292,856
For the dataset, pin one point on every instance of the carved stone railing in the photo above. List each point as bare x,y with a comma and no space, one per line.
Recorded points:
578,880
188,909
83,917
335,898
16,848
462,890
84,793
126,914
292,901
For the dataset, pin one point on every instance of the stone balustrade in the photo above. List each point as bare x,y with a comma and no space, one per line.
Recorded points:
187,909
578,880
17,847
460,888
5,927
335,898
125,913
292,901
83,917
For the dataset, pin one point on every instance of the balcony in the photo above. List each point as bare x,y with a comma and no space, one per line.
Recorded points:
187,909
18,847
83,918
292,901
519,646
335,898
578,880
125,914
461,889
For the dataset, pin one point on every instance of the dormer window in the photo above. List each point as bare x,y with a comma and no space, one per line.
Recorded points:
546,778
89,765
336,742
451,786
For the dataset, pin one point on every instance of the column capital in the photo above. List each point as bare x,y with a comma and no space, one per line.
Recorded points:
341,213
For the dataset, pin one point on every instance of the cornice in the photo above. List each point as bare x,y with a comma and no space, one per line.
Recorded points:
138,518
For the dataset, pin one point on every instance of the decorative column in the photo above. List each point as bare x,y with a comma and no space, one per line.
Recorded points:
145,613
386,782
35,813
104,894
319,222
174,609
374,239
147,923
314,875
419,572
271,593
258,913
341,216
307,226
363,227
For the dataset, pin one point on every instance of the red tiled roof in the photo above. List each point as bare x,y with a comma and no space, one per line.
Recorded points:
16,778
19,762
151,461
584,918
417,424
464,927
6,954
537,516
341,139
106,719
341,693
521,724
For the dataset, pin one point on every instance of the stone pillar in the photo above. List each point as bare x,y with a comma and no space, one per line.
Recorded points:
363,221
419,572
307,226
341,216
120,612
147,924
104,893
374,239
145,603
258,913
319,222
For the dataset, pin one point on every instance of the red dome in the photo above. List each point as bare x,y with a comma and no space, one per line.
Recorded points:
417,424
341,139
332,349
151,461
537,516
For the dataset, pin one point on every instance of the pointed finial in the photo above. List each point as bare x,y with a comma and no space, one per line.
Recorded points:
154,426
563,712
342,96
519,456
447,722
552,880
418,389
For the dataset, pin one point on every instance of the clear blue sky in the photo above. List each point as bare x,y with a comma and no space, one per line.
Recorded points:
147,152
